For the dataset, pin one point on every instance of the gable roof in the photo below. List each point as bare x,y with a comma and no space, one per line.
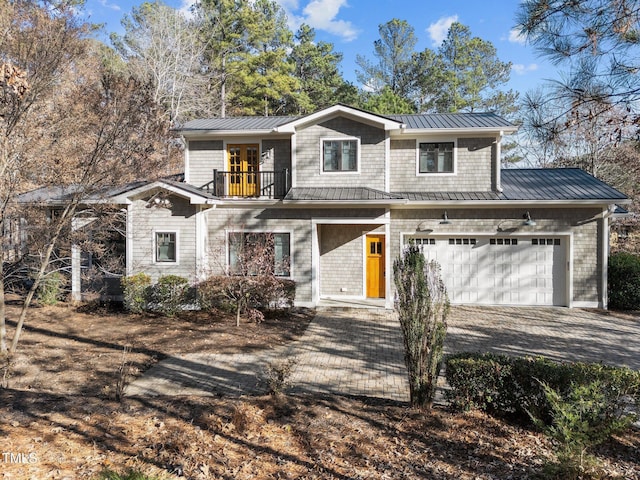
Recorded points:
429,122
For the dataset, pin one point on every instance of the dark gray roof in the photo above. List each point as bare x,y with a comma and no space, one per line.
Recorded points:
236,123
418,121
56,195
344,194
452,121
533,184
555,184
435,196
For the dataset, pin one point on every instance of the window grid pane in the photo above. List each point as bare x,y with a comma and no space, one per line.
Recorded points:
165,247
436,157
340,155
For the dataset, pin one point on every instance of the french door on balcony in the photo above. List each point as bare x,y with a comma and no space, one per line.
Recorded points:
244,164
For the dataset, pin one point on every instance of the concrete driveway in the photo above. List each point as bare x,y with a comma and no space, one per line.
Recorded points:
359,352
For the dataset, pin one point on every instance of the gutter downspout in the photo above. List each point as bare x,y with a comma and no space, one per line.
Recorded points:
498,162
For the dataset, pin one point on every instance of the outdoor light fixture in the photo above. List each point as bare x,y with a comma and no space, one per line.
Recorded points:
527,220
445,219
159,200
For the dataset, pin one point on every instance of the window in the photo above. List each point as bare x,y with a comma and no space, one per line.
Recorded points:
166,247
435,157
340,155
254,253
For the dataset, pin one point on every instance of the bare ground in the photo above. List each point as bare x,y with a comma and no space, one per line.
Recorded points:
60,420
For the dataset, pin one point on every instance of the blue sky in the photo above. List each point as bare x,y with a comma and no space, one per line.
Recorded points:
352,26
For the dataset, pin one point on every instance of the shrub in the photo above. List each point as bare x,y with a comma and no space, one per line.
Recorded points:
507,386
170,294
277,375
582,418
246,294
422,305
50,288
624,281
129,475
136,292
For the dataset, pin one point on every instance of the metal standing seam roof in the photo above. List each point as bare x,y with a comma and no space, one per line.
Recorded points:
533,184
555,184
236,123
344,194
438,121
452,121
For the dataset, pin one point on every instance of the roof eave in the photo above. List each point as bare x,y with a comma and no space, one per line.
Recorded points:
352,203
455,131
386,123
507,203
125,198
226,133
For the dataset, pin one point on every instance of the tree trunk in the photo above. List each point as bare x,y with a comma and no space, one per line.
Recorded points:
68,212
3,321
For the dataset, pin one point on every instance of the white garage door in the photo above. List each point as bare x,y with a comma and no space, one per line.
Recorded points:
501,270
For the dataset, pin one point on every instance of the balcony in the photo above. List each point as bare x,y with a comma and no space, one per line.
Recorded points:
249,184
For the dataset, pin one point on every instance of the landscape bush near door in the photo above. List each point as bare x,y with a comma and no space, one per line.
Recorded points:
422,305
624,281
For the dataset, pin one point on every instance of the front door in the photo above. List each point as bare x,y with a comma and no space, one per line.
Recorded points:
375,266
244,162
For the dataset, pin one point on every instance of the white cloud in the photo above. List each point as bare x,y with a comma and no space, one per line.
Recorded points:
112,6
185,7
438,30
517,37
321,15
521,69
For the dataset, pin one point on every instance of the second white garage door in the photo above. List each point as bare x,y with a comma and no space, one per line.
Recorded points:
500,270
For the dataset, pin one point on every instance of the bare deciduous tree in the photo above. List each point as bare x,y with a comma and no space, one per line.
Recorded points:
79,126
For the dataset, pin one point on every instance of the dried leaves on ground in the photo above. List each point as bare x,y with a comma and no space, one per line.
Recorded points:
59,419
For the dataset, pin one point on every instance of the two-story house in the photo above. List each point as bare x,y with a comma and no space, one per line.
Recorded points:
342,190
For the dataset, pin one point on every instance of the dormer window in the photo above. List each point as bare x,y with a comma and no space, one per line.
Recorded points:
436,157
340,155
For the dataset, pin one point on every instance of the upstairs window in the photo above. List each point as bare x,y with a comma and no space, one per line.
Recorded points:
340,155
435,157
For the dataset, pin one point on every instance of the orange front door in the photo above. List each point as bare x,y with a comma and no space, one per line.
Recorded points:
375,266
244,164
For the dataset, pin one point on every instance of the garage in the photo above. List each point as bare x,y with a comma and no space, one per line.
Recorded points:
500,270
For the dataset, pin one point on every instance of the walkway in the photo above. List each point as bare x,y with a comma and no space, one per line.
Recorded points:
344,351
360,352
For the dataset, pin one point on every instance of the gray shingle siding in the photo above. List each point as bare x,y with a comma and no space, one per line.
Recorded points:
181,219
204,156
372,154
474,158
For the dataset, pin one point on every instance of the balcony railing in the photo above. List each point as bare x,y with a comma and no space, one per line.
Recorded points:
247,184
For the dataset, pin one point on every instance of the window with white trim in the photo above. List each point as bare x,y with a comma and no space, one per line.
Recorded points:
435,157
255,253
166,247
340,155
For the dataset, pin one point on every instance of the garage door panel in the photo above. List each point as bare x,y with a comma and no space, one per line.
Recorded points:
501,271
